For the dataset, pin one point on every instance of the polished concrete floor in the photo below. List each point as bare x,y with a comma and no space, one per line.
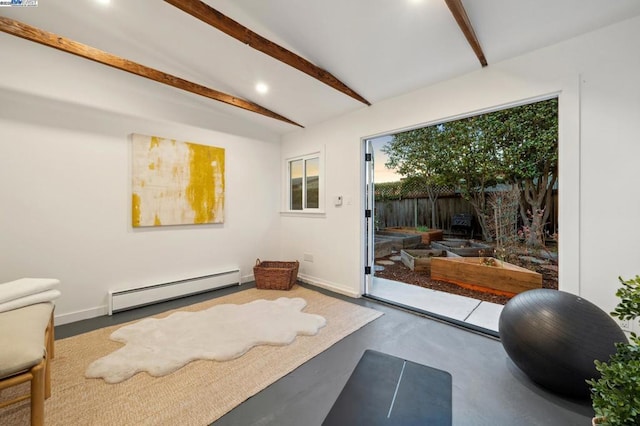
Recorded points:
487,388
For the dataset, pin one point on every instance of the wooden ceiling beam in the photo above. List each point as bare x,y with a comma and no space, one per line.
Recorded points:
37,35
460,14
211,16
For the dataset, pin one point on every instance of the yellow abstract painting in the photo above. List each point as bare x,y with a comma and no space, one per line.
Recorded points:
175,182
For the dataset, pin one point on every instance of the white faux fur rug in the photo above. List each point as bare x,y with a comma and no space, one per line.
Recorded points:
220,333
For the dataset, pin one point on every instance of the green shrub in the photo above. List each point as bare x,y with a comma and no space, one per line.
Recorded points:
615,395
629,294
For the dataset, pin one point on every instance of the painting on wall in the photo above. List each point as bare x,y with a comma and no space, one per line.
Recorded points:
176,183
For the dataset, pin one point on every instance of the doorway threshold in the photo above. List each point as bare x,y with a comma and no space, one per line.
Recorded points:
476,315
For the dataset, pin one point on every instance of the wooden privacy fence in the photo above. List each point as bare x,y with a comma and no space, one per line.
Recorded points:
416,211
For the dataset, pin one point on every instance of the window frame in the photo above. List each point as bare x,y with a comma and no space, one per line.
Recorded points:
305,211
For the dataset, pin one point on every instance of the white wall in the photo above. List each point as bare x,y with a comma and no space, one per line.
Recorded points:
65,184
595,77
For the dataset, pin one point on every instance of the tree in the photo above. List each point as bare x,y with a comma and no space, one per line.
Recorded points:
417,155
517,146
472,163
528,138
454,154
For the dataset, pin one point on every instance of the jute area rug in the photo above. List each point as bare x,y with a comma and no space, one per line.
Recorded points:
198,393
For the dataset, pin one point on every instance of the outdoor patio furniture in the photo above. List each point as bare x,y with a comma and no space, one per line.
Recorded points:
462,224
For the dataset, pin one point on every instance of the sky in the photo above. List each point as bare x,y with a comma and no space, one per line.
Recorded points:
381,173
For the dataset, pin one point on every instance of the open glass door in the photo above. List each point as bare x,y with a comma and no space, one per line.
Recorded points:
369,222
445,233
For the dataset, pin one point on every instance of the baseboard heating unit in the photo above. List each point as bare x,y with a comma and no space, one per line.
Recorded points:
121,300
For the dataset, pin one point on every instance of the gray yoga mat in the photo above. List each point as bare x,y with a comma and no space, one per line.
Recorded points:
387,390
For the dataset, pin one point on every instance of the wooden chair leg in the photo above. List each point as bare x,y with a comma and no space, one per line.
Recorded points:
47,378
49,344
37,394
51,340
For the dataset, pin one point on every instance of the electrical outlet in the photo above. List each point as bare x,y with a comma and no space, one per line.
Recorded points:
308,257
625,324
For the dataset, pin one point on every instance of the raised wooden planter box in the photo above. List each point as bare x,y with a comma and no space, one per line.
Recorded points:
465,248
420,260
382,247
398,240
470,272
427,236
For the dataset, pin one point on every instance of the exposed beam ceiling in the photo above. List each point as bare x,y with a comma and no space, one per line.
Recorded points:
457,9
383,49
211,16
37,35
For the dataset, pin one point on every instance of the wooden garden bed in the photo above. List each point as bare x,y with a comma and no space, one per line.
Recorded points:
399,240
426,236
387,242
473,272
420,260
465,248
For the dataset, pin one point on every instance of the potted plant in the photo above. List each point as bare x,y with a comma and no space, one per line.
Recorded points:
616,394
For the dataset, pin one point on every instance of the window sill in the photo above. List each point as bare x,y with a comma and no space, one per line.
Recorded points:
290,213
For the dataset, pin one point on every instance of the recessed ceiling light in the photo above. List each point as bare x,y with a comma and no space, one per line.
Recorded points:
103,1
262,88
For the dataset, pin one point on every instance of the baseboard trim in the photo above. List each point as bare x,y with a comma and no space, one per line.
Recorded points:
70,317
246,279
99,311
328,286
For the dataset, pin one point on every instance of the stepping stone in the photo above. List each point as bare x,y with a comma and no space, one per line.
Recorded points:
385,262
395,258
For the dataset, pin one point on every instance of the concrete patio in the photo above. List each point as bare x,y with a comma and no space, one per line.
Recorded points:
460,308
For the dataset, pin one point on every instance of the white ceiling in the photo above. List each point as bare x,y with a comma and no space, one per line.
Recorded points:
379,48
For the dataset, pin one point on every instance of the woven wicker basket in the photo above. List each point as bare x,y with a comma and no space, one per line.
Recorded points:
273,275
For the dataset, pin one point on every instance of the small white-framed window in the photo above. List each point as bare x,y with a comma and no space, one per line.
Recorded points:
305,188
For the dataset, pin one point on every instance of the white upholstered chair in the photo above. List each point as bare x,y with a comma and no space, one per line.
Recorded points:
27,341
27,336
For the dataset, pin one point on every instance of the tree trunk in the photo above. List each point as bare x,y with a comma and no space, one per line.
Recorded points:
433,198
476,196
534,202
478,202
